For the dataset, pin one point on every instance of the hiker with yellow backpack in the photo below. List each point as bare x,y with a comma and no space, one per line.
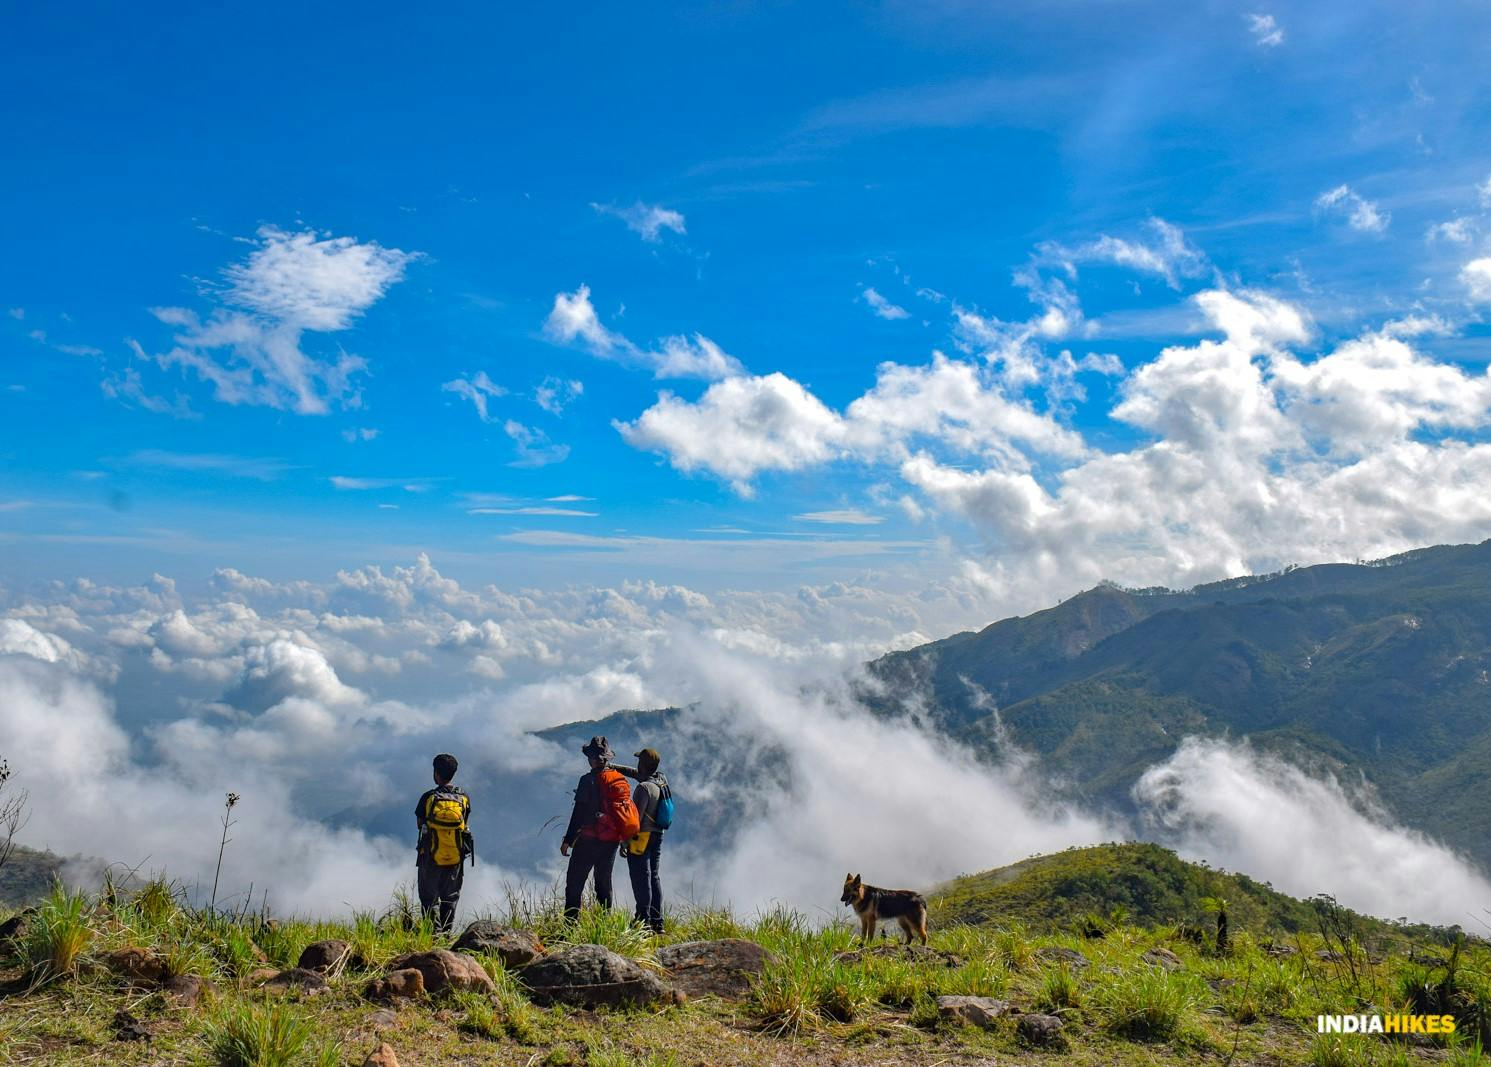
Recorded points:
604,816
444,845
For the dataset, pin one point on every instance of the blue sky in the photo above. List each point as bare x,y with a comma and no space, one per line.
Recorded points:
564,213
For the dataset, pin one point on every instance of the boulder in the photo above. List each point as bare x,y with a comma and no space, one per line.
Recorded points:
1163,957
918,954
715,968
136,965
324,957
974,1011
396,985
590,976
515,948
297,978
184,990
443,969
1042,1030
382,1056
1059,954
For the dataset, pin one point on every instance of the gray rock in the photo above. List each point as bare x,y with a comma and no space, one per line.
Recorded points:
1044,1030
722,968
297,978
185,990
1061,954
919,954
974,1011
516,948
590,976
1163,957
324,957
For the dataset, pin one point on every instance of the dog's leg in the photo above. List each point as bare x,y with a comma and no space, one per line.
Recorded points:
922,925
905,921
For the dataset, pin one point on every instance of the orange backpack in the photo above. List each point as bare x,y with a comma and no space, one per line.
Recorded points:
619,820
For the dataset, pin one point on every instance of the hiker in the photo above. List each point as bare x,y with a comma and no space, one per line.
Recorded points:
444,844
654,802
604,816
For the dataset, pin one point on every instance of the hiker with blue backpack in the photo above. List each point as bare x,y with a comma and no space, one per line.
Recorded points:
654,801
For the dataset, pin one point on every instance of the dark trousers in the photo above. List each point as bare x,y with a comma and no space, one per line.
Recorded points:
647,888
439,889
586,855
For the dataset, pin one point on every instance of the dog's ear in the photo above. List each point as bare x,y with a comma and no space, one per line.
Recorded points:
856,879
848,878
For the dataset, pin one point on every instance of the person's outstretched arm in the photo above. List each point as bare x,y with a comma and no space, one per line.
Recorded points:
629,772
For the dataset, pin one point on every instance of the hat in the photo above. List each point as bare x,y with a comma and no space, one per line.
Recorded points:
649,755
598,748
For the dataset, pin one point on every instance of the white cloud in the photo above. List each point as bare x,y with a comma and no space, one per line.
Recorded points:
18,314
1484,192
646,220
554,394
1476,276
883,307
1170,255
291,284
534,509
257,468
342,481
1458,231
477,389
1267,33
1362,215
359,433
1235,808
840,517
573,320
533,446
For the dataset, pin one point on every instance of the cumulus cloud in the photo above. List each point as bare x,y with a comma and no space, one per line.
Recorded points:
573,320
883,307
250,348
1362,214
1233,807
648,221
1476,276
1267,33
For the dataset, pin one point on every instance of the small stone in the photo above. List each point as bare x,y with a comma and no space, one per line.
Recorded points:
129,1028
324,957
185,990
1044,1030
383,1018
974,1011
382,1056
308,982
260,975
136,965
1061,954
405,983
1163,957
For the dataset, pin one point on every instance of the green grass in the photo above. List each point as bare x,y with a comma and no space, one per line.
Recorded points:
57,935
253,1035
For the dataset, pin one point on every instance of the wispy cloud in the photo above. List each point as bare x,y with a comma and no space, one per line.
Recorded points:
554,394
1362,214
477,389
408,485
535,509
842,517
1267,33
573,320
883,307
359,433
533,446
646,220
256,468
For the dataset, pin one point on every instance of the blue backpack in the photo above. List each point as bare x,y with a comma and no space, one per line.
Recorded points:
662,818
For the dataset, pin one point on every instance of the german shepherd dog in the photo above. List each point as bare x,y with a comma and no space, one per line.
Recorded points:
872,905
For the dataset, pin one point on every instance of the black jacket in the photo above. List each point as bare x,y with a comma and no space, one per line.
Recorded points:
587,807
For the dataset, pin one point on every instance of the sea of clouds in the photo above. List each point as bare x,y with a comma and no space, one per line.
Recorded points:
130,712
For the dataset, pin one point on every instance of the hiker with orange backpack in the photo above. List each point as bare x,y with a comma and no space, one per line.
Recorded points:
604,816
444,844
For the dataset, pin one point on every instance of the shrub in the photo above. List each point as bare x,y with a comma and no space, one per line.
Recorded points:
707,924
976,978
611,928
1340,1050
786,995
57,935
251,1035
1148,1003
1014,948
1058,991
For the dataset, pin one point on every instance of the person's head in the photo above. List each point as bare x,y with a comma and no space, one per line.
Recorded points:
647,762
598,751
445,768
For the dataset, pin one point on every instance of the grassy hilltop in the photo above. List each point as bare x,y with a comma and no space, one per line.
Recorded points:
1145,985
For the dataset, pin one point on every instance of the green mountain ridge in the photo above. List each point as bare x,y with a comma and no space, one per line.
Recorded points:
1381,670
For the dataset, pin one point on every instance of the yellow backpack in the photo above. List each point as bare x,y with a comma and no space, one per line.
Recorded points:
449,842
